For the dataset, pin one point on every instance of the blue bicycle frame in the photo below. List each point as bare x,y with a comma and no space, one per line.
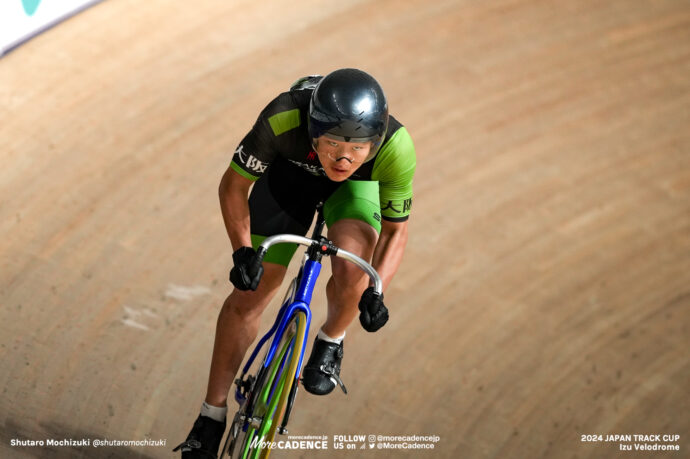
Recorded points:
299,301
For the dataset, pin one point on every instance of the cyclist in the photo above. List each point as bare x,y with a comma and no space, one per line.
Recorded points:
327,139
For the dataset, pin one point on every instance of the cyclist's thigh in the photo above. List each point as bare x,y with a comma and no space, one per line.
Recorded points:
283,201
357,200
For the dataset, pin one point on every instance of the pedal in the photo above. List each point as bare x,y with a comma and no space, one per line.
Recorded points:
334,377
340,383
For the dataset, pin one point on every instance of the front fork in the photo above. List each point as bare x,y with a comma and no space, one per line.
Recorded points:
291,401
246,386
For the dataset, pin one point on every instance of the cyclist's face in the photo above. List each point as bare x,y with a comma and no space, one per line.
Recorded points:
341,159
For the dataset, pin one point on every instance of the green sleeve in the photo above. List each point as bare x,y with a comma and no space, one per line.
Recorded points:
394,170
238,168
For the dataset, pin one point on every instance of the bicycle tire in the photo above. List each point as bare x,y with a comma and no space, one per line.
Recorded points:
278,383
290,375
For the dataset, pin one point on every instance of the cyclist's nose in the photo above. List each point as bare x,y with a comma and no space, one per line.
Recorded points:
339,157
339,154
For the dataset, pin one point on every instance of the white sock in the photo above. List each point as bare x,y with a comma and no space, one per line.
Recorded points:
325,337
214,412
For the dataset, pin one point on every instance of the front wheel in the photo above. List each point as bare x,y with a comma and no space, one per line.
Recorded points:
252,436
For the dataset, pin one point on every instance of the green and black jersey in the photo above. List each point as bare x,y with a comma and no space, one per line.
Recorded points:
281,132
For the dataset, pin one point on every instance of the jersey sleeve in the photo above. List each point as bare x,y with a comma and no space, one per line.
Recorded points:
260,146
394,170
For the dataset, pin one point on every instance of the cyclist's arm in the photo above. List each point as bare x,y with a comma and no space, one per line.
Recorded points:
249,162
394,170
233,192
389,250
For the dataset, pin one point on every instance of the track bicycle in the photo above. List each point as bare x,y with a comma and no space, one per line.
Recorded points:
267,398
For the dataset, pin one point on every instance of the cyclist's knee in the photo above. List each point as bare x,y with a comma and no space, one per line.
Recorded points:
347,274
359,238
249,303
243,303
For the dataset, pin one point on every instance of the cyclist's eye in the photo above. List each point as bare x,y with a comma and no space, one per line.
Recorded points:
332,144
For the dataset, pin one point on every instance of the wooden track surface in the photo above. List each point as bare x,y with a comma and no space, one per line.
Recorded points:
545,291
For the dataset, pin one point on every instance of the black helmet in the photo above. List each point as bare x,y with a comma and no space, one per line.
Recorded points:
349,105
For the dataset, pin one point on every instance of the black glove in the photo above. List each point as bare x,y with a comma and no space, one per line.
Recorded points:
241,275
373,313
